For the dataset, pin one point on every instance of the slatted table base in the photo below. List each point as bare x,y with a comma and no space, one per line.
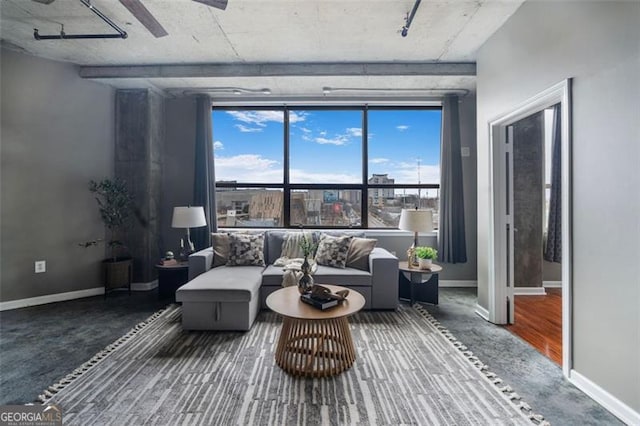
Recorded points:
315,348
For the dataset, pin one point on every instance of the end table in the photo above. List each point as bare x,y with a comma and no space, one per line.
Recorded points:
170,278
427,278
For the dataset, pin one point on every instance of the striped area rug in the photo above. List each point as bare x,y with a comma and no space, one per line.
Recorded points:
409,370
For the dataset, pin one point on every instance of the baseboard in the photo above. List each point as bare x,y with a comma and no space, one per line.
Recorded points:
50,298
529,291
144,286
457,283
604,398
552,284
482,312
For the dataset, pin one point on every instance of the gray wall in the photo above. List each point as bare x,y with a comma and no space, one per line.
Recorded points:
178,182
597,43
57,134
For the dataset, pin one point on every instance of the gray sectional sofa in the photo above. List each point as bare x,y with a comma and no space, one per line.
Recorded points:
230,297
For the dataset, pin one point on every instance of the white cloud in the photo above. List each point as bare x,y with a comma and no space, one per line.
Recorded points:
301,176
355,132
245,129
323,133
402,127
261,118
408,172
217,145
305,130
379,160
338,140
248,168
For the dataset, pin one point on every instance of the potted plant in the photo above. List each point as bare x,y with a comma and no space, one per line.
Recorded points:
115,205
425,256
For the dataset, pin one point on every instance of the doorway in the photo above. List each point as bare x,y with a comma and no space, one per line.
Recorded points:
537,246
502,280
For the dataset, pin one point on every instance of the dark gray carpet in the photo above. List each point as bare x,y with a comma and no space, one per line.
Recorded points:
406,372
41,344
536,378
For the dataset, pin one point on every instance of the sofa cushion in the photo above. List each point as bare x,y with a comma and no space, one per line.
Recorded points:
223,284
347,277
220,245
246,249
332,251
359,251
272,276
274,245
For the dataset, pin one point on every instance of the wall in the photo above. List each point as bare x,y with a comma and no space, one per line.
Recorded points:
178,183
597,43
57,134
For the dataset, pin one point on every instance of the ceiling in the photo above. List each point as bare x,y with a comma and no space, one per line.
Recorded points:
267,32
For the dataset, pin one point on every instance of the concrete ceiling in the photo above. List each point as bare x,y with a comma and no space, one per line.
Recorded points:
266,32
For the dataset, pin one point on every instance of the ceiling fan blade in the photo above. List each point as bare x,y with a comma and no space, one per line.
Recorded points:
44,1
145,17
218,4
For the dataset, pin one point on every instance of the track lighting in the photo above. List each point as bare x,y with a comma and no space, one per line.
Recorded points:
409,18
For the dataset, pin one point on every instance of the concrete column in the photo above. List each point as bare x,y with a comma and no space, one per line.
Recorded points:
138,161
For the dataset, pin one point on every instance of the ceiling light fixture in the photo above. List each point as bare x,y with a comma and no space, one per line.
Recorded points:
409,18
233,90
445,90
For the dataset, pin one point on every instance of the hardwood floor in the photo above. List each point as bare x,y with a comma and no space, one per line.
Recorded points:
538,321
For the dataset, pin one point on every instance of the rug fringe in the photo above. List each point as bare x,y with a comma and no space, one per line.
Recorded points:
52,390
515,399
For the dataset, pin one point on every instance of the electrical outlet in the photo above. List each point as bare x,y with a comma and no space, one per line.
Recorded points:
465,151
41,266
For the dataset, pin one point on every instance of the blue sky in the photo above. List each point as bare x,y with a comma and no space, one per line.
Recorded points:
325,146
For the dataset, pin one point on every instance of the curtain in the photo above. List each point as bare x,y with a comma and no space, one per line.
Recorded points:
553,246
204,177
452,246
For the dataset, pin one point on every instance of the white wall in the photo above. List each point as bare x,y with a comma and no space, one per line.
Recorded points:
598,44
57,134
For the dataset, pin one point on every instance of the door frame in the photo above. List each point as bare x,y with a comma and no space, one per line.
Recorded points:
498,275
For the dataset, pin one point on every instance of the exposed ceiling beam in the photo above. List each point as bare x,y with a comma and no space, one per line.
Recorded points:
281,70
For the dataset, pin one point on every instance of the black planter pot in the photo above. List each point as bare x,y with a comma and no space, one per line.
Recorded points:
117,273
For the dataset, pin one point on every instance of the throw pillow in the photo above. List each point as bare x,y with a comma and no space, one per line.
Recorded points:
291,244
332,251
359,251
220,245
246,250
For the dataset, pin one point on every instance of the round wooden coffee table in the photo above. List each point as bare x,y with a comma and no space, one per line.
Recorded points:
312,342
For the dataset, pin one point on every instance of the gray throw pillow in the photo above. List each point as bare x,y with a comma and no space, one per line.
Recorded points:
332,251
246,250
359,251
220,245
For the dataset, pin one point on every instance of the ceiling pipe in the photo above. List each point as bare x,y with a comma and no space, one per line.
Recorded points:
64,36
329,90
407,21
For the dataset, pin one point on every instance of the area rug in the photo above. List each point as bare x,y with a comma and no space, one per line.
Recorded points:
409,370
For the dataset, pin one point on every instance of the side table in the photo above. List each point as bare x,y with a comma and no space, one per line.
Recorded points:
170,278
425,279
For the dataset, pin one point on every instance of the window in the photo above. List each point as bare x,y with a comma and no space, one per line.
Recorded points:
325,167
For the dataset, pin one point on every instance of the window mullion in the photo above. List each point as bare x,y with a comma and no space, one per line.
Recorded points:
286,204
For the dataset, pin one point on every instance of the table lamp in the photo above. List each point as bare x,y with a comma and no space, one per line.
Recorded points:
415,220
188,217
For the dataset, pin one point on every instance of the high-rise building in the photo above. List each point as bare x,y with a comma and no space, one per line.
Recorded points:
378,196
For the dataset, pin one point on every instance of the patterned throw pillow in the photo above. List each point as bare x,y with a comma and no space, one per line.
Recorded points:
246,250
332,251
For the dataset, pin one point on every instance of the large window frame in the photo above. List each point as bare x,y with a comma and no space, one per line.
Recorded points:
287,187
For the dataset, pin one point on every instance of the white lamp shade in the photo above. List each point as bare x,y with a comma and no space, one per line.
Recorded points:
416,220
188,217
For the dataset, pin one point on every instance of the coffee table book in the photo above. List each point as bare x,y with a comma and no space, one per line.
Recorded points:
319,303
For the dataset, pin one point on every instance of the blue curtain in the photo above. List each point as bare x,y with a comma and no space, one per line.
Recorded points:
553,246
204,176
452,247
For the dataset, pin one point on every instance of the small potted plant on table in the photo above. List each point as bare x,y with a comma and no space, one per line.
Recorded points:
425,256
